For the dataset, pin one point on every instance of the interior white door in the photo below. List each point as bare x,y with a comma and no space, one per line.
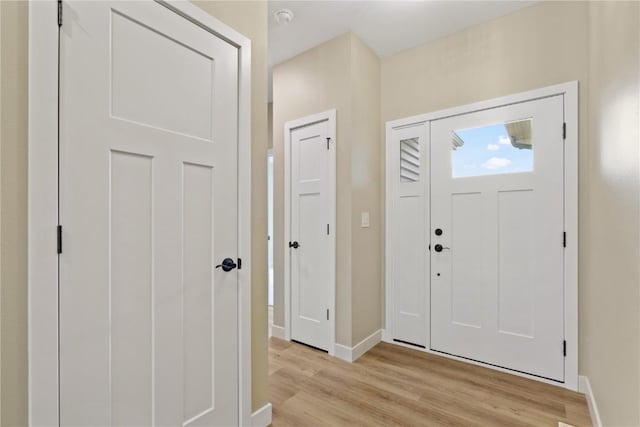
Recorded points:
148,205
409,237
311,250
497,275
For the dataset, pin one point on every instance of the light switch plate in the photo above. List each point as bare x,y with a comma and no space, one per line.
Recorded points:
364,219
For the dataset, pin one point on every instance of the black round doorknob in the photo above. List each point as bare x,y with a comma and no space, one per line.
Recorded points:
439,248
438,231
227,264
294,245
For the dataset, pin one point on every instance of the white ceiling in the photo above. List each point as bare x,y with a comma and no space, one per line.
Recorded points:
386,26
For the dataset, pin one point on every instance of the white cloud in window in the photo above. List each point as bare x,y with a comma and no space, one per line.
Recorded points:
493,147
496,163
504,140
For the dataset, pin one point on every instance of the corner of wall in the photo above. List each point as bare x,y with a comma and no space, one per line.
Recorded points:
365,192
346,75
584,386
314,81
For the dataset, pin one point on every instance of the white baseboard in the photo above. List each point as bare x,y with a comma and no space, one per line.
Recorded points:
584,386
366,344
351,354
277,332
386,336
262,417
342,352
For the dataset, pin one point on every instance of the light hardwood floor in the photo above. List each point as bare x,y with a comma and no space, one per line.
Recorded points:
393,385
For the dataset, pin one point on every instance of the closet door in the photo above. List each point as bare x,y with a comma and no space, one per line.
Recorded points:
311,250
149,205
407,245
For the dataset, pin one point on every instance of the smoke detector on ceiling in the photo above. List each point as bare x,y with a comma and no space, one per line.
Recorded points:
283,16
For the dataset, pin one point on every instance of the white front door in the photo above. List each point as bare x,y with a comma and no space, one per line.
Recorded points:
497,275
148,205
311,247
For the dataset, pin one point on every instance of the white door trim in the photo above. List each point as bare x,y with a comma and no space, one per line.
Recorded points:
330,117
43,205
570,92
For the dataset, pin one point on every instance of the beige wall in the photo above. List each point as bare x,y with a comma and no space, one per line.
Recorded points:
366,176
342,74
550,43
249,18
536,47
610,212
13,215
0,214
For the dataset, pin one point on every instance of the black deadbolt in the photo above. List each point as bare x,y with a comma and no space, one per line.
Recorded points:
294,245
438,232
438,247
227,264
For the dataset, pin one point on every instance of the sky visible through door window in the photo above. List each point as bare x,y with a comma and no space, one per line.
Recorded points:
491,150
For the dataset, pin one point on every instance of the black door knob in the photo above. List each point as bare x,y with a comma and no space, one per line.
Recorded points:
294,245
438,248
227,264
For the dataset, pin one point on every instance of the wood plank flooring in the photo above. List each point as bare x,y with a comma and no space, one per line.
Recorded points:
396,386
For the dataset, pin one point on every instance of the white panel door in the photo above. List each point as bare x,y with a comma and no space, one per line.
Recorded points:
311,250
409,237
497,275
148,204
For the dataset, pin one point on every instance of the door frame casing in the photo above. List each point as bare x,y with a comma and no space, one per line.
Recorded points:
570,92
330,117
43,378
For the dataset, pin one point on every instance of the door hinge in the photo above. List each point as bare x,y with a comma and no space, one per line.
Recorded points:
327,314
564,348
564,131
59,13
239,263
328,141
59,238
327,229
564,239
